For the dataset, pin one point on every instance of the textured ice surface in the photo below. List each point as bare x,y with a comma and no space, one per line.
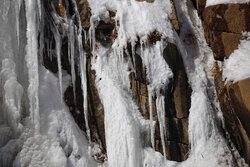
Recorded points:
31,59
36,126
124,126
158,75
149,17
208,146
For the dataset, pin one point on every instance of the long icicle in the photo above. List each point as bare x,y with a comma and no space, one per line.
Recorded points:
152,127
83,68
32,62
72,56
161,117
59,63
84,82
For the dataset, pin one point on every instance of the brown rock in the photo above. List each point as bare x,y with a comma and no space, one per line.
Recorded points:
200,5
223,44
59,5
177,104
178,101
240,96
174,18
174,151
234,102
95,106
232,18
85,13
223,25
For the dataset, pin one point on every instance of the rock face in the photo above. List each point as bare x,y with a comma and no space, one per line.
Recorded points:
223,26
234,100
85,13
177,104
75,104
199,5
178,101
223,33
177,95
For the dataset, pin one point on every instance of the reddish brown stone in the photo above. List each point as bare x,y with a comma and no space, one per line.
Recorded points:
223,25
234,101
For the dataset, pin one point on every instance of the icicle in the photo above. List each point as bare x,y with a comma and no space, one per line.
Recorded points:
39,9
83,68
32,62
92,34
85,36
41,38
84,83
59,64
152,127
17,10
50,50
161,117
133,53
150,94
72,57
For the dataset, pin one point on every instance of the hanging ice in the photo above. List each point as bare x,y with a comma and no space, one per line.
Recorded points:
32,61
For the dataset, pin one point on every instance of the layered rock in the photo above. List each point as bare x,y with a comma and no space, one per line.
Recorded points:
223,26
75,103
177,104
234,100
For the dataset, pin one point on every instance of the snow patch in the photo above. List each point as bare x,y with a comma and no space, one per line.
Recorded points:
217,2
237,66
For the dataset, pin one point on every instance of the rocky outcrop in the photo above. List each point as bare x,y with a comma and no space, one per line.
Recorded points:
177,106
235,101
223,25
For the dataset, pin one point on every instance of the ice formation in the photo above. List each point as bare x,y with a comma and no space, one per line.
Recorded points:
35,130
36,126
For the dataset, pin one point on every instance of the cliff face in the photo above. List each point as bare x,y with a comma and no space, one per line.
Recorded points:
178,92
223,34
223,26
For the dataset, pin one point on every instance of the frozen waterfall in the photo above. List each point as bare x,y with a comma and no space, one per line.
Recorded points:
37,127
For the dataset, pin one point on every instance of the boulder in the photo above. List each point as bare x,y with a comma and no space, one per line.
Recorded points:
223,26
234,100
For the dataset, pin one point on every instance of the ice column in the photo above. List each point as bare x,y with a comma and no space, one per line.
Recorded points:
31,59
